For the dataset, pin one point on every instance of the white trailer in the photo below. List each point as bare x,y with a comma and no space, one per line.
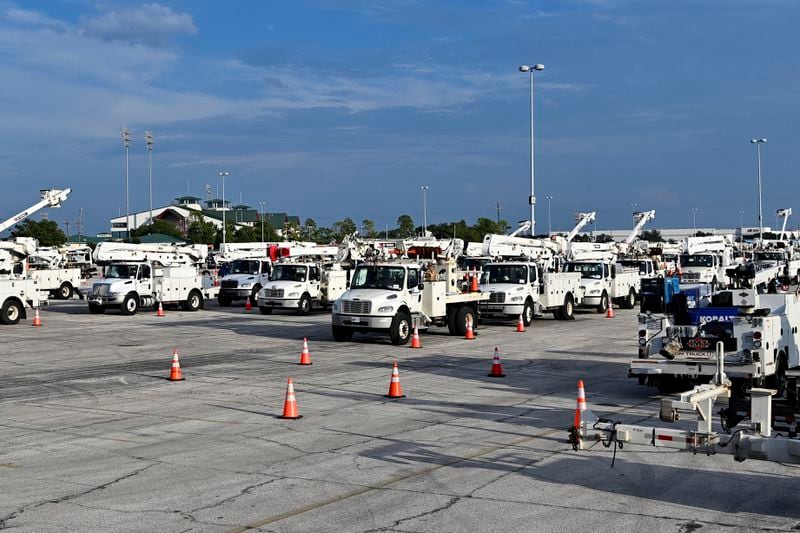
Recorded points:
394,297
302,286
526,289
140,276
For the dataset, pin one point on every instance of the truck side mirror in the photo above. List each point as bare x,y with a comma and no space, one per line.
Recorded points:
613,271
421,285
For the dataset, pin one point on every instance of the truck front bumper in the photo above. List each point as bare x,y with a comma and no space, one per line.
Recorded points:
591,301
362,321
108,299
236,294
281,303
495,310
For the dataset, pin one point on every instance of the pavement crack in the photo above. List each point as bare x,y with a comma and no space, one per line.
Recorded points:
247,490
451,502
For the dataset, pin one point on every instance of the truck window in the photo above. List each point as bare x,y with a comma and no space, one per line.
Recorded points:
314,274
606,272
265,267
144,272
413,279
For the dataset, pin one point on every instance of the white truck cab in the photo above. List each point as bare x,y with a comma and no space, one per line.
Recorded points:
604,283
302,287
244,280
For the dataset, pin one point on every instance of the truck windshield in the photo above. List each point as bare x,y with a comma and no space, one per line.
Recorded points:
697,260
244,266
379,277
289,273
586,270
121,271
507,273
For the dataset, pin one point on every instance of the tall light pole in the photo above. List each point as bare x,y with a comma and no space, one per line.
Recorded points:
424,190
222,176
758,143
633,213
549,225
694,219
126,141
532,198
741,227
262,221
148,139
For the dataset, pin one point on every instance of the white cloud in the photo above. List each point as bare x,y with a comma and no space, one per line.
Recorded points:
151,24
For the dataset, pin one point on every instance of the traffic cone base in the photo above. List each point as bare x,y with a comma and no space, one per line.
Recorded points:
610,311
160,311
290,411
497,367
520,325
37,320
470,335
175,373
305,355
395,389
415,340
248,306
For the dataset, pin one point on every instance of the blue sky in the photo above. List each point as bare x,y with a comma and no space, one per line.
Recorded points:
330,109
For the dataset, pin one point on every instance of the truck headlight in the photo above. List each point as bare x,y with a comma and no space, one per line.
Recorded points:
516,298
336,306
293,295
594,291
245,285
642,341
386,309
757,344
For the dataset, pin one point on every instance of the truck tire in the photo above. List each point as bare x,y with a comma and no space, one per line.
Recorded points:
130,305
304,307
265,310
527,313
194,302
254,295
65,291
462,315
96,309
400,330
340,334
630,300
224,300
567,311
11,313
602,307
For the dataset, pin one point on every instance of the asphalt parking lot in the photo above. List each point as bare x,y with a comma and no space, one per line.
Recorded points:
95,438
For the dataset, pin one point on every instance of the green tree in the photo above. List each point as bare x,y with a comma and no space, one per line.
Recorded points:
405,226
163,227
368,229
246,234
324,235
46,232
342,228
199,231
310,229
291,230
652,235
604,237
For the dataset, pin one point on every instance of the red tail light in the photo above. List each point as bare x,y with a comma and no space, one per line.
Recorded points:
757,335
642,333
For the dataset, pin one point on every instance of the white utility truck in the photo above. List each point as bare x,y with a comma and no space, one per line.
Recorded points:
394,297
142,275
603,281
705,259
49,267
302,286
18,292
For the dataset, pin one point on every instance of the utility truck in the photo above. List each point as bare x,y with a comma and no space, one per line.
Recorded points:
395,297
705,259
603,281
144,275
49,267
18,292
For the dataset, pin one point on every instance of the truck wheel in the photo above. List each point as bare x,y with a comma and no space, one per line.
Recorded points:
340,334
777,381
96,309
567,311
463,315
12,312
305,305
224,300
451,321
602,307
527,313
400,331
65,291
130,305
254,295
194,302
630,300
265,310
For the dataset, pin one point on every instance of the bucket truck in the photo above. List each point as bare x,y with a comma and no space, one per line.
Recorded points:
18,292
142,275
48,198
705,259
395,297
49,267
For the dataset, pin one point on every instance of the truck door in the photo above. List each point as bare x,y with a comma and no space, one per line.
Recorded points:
144,279
314,281
536,280
413,284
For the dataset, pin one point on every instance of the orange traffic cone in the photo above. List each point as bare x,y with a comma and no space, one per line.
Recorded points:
290,411
395,390
175,373
305,355
470,333
497,368
581,407
37,320
248,306
473,287
520,325
160,311
610,311
415,340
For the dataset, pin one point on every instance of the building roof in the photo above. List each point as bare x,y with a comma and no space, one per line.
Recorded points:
160,238
240,207
86,239
191,199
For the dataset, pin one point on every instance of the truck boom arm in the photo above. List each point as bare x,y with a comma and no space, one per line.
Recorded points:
167,255
49,198
581,219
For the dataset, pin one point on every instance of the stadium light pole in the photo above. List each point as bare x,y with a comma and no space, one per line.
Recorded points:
758,143
222,176
532,198
262,221
126,142
549,220
148,139
741,227
633,213
424,190
694,219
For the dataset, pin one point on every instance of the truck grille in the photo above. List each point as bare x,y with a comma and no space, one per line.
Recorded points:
691,276
350,307
273,293
229,284
497,297
100,289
